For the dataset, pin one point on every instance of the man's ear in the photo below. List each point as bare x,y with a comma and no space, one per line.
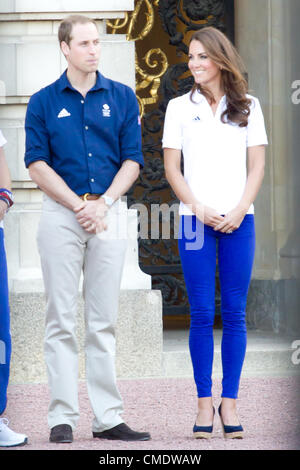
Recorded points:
64,48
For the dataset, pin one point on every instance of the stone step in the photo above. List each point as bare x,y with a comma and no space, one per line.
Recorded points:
138,336
268,354
143,348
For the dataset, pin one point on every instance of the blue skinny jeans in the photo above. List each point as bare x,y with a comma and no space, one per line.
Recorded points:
235,255
5,339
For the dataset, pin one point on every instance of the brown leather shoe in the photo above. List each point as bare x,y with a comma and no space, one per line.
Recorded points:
62,433
122,432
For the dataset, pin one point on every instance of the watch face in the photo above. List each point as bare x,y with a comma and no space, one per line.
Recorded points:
108,200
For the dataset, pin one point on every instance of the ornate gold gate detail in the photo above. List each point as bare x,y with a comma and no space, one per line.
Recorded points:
154,58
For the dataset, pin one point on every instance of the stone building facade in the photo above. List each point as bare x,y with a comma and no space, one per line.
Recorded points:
266,35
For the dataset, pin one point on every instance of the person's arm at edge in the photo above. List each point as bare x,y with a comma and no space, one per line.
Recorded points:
5,181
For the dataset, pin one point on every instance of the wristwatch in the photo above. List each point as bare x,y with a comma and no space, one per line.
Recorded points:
108,200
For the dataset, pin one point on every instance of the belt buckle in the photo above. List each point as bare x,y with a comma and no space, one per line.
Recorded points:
85,196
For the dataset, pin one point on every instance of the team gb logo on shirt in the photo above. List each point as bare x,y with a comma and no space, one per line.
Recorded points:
106,110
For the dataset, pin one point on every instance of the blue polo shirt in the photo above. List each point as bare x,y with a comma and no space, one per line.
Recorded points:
84,140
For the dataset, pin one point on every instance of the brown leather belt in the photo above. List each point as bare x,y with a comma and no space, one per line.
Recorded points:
90,197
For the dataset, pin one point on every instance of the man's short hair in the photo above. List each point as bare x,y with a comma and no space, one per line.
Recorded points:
66,26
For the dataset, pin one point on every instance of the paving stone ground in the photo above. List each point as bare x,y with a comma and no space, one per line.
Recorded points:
269,410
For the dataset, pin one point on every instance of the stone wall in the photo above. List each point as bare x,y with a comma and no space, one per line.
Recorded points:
267,37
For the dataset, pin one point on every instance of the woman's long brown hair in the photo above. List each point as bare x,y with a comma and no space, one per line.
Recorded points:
221,51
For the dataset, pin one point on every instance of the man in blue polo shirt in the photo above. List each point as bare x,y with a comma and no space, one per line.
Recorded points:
83,149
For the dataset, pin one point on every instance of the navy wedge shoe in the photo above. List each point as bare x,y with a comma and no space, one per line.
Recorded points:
203,432
231,432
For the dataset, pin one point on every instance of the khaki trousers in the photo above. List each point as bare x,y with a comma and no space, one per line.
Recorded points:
67,250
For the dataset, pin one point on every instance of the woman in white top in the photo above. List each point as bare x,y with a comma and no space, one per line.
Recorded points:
220,130
8,438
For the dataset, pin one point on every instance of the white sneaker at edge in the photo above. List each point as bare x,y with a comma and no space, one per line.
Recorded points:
9,438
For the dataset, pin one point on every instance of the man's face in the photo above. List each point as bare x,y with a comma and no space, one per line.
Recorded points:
83,52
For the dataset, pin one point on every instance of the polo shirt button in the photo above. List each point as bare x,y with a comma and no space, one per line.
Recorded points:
92,180
82,101
90,154
86,128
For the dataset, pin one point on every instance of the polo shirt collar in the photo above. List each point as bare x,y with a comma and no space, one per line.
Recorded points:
198,97
101,82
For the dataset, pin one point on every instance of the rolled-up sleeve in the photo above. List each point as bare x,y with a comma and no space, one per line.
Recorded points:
37,137
2,139
130,135
256,131
172,134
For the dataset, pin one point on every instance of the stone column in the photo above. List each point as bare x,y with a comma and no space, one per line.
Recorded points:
265,31
31,59
290,251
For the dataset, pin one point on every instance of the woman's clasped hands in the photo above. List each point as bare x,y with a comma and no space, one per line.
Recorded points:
227,223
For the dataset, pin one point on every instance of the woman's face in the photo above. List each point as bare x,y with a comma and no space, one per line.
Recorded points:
203,69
